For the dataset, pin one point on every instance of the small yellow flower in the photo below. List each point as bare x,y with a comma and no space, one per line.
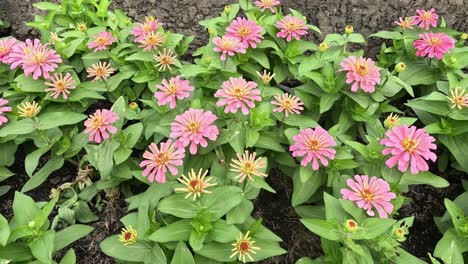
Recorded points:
464,36
165,59
81,27
349,30
54,37
392,120
458,97
129,236
351,225
400,67
244,247
323,46
266,76
211,31
29,109
247,166
133,106
196,184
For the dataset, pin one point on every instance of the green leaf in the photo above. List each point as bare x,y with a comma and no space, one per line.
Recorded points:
223,232
177,205
7,151
323,228
268,142
140,56
417,74
306,183
182,255
69,235
222,200
309,64
240,213
17,127
43,246
356,38
43,215
47,6
28,84
374,227
41,176
217,251
100,156
387,35
32,159
451,247
112,247
16,252
177,231
457,146
5,173
327,101
268,250
25,209
4,231
56,119
424,177
69,258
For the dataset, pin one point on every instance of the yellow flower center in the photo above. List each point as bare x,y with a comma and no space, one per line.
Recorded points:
367,194
434,41
409,144
101,71
194,183
427,15
97,122
292,25
172,89
287,104
2,50
244,31
228,44
313,144
60,85
101,41
362,69
193,127
162,158
239,92
39,56
247,168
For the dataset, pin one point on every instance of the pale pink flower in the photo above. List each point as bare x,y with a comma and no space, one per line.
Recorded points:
313,145
433,44
99,125
370,194
267,4
409,146
246,31
5,48
170,91
291,27
287,103
193,127
425,19
34,58
158,161
152,41
142,29
405,23
362,72
238,93
228,46
101,41
60,85
4,109
99,70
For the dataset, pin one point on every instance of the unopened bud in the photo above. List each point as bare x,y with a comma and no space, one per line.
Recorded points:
351,225
463,36
323,46
348,30
400,67
227,9
133,105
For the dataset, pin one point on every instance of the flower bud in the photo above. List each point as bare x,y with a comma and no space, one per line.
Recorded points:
400,67
463,36
323,46
211,31
453,60
349,30
351,225
128,21
133,106
227,9
32,224
208,60
399,234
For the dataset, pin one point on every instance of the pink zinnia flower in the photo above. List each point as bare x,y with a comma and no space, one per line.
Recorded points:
60,85
151,41
267,4
160,160
142,29
405,23
362,72
228,46
5,48
409,146
313,145
291,27
434,44
193,127
238,93
99,124
246,31
287,103
370,194
101,41
176,88
425,19
4,109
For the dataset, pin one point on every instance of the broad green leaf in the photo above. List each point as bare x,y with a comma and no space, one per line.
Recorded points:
177,231
65,237
4,231
387,35
177,205
223,232
182,255
32,159
424,177
306,183
20,127
374,227
69,258
240,213
323,228
222,200
41,176
16,252
217,251
5,173
43,246
28,84
25,209
112,247
268,142
56,119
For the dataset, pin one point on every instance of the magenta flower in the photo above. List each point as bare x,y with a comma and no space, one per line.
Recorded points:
291,27
228,46
238,93
101,41
425,19
313,145
362,72
409,146
246,31
434,44
370,194
193,127
267,4
168,92
160,160
5,48
99,124
4,109
141,30
60,85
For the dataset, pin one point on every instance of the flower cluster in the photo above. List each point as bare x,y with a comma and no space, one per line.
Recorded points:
146,35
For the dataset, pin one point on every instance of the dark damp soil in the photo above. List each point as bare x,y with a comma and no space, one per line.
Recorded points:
279,216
